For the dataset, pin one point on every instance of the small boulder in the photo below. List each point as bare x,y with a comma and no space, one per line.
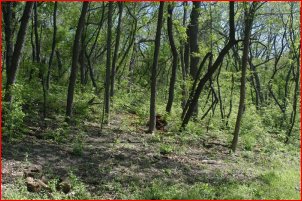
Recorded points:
34,171
64,185
32,185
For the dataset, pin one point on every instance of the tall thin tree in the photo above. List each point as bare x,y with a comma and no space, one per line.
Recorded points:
108,64
175,58
116,48
152,121
15,59
248,23
53,46
75,58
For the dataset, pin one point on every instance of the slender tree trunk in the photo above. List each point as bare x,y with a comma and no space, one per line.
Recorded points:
247,34
8,21
75,58
175,58
117,43
60,65
38,59
53,44
108,64
15,60
182,60
232,42
82,60
152,121
193,38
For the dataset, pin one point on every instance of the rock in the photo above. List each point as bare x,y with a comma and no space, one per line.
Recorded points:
34,171
211,162
64,185
160,124
32,185
44,179
43,185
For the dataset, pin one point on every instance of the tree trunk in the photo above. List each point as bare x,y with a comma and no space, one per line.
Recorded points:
152,121
38,59
193,38
182,60
8,21
232,42
75,57
175,58
246,42
15,59
53,44
108,64
117,43
82,60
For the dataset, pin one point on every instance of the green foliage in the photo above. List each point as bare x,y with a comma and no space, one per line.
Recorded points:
18,191
164,191
166,149
78,144
13,114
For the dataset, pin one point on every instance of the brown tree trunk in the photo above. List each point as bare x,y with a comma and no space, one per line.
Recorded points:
193,38
193,102
53,44
249,16
15,59
108,65
152,121
75,58
175,58
117,43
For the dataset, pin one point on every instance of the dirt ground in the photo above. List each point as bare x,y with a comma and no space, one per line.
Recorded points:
116,154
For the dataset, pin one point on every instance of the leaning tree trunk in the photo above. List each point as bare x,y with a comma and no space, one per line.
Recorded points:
12,71
75,57
246,42
194,99
175,58
152,121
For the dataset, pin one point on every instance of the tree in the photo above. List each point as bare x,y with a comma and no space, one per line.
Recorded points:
75,57
175,58
108,63
193,38
248,24
193,100
11,70
53,46
116,49
152,120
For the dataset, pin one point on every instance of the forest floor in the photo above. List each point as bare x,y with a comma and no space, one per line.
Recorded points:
122,161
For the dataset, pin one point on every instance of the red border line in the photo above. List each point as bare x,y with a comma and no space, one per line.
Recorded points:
300,98
277,1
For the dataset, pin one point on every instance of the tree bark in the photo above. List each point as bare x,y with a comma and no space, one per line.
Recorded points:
108,65
231,43
75,57
193,38
175,58
15,59
8,21
38,59
53,46
249,16
117,43
152,121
